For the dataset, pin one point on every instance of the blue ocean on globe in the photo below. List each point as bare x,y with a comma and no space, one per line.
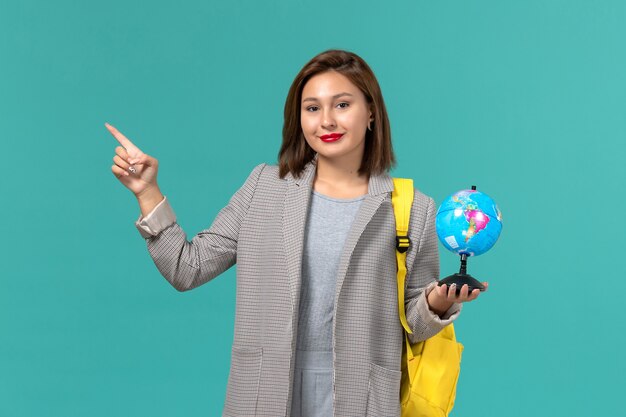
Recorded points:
468,222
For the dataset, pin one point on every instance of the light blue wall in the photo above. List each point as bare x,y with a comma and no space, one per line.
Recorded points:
524,99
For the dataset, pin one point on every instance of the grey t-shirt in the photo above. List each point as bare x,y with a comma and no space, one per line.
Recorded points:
328,222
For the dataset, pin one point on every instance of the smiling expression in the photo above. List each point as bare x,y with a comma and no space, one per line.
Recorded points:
334,116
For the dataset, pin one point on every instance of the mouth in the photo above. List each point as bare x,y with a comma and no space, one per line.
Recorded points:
333,137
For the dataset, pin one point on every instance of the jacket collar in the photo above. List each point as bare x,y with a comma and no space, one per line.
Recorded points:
295,211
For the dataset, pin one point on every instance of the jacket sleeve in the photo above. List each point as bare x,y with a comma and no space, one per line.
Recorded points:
423,272
212,251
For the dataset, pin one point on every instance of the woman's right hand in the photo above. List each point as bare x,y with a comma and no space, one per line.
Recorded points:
128,155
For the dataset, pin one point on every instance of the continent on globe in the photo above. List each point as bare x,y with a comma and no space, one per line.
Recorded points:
477,221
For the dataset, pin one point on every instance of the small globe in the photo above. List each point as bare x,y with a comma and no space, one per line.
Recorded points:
468,222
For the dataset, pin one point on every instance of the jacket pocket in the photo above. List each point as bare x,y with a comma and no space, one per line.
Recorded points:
383,396
243,382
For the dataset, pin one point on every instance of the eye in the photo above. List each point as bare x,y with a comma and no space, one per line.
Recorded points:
311,108
344,104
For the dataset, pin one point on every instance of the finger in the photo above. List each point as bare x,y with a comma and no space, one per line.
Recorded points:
486,285
442,290
119,150
452,293
123,140
138,160
474,295
464,291
123,164
119,172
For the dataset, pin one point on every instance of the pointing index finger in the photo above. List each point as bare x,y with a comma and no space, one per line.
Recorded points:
123,140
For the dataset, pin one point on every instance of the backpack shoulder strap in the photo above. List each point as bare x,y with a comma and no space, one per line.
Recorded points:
401,200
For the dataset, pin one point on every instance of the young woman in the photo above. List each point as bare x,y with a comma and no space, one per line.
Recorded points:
317,331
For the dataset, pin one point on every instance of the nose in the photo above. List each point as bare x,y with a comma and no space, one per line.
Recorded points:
328,121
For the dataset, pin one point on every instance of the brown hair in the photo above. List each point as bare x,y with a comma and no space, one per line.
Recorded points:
295,152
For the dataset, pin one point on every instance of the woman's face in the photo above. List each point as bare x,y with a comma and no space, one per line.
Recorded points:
334,117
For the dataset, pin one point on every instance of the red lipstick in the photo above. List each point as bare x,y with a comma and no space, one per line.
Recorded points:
332,137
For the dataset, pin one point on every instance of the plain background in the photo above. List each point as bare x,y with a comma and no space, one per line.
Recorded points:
524,99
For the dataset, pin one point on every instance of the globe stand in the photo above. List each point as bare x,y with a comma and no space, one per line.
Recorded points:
462,278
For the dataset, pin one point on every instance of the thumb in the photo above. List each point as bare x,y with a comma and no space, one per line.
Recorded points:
141,160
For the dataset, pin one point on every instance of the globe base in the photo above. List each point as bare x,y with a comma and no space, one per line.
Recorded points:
460,280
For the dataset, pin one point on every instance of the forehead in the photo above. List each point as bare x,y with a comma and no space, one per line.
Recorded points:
328,84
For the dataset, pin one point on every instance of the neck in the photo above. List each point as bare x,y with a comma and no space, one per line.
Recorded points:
339,171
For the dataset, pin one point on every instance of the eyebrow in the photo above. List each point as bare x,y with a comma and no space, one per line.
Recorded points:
334,97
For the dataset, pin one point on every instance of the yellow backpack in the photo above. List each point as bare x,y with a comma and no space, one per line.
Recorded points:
430,369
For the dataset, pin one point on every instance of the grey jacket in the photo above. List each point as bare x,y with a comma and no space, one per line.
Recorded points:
262,230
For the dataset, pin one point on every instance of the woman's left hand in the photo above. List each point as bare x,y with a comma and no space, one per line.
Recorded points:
449,293
442,297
